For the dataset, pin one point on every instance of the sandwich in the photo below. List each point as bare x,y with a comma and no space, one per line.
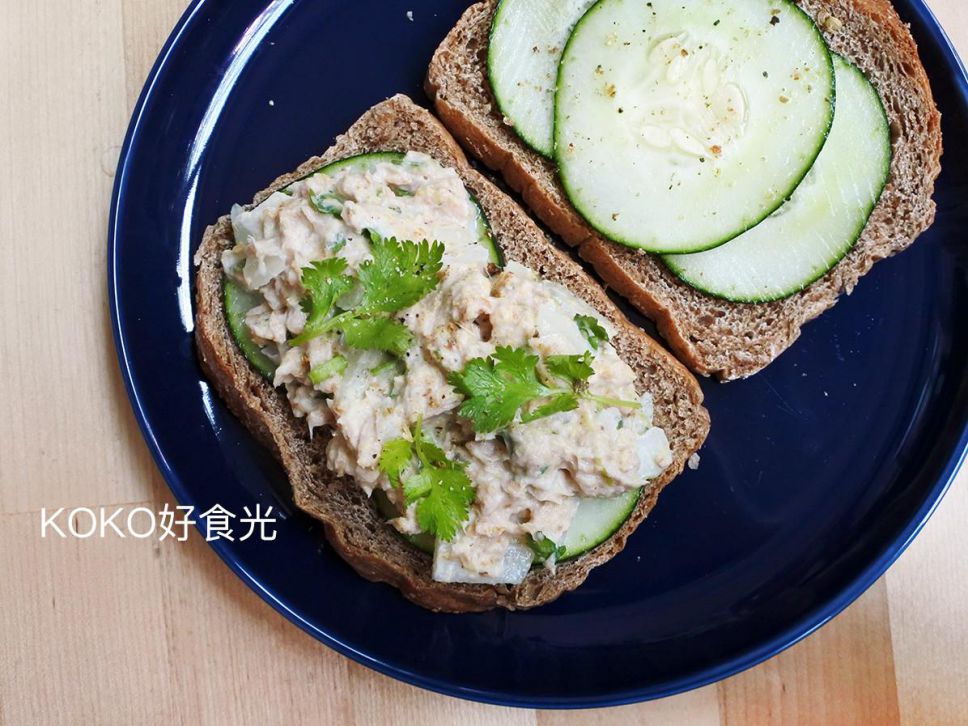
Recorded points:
464,409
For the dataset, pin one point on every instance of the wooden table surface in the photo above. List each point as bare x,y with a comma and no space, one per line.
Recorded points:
137,631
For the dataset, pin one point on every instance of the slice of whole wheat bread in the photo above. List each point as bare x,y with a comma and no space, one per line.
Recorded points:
713,336
351,522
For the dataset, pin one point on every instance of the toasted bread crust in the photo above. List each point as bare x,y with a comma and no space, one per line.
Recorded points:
352,525
713,336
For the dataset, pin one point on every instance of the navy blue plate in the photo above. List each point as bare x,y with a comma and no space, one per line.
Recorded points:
817,473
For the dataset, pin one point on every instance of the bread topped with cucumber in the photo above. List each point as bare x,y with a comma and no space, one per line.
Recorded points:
731,167
464,409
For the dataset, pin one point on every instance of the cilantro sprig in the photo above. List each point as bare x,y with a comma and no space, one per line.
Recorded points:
440,487
593,331
399,275
325,283
509,383
544,548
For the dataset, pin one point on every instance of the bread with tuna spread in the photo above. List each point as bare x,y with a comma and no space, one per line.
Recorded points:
352,522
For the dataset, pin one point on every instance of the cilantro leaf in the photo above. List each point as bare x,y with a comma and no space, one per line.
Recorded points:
394,458
444,507
399,275
497,387
573,368
544,548
325,283
333,367
418,486
593,331
441,488
375,334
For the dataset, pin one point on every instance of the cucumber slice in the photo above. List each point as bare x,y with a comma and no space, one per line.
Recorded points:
485,235
823,220
361,161
239,301
527,38
595,521
680,125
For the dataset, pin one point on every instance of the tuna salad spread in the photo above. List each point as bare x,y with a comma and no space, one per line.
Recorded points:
485,406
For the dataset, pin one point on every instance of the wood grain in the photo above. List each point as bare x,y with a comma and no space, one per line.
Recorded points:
844,675
128,631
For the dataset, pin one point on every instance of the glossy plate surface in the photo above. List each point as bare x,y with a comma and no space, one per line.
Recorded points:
816,475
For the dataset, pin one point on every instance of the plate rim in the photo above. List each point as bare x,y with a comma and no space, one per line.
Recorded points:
791,635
